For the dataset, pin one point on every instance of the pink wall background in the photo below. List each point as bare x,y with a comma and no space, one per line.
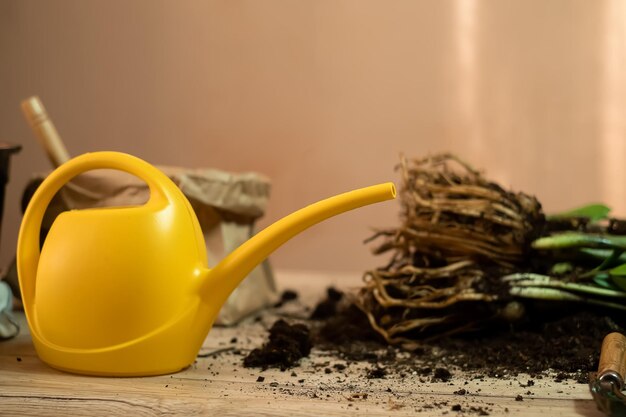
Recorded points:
322,96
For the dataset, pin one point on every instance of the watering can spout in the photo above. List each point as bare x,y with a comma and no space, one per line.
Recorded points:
227,275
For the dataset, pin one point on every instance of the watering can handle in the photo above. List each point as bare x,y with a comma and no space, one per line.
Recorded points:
162,192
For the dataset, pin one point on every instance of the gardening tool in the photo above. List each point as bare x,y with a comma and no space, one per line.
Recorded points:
126,291
607,384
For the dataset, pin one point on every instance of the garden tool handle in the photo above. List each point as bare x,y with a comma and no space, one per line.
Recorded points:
163,192
44,129
612,364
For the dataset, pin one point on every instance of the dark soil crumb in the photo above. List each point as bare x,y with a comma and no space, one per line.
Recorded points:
328,307
479,411
376,373
475,410
339,366
441,374
260,379
285,297
462,391
233,340
425,371
560,377
19,359
287,344
519,398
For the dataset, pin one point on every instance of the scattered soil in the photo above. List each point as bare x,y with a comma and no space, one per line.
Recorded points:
559,345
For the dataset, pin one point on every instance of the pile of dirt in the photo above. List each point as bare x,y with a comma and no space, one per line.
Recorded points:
286,346
566,343
562,343
569,346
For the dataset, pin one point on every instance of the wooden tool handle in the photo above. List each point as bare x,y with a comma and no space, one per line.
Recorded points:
44,129
613,356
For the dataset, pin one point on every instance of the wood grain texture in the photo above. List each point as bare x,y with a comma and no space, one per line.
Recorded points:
220,385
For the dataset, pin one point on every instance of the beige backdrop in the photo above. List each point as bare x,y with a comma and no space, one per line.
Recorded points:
322,96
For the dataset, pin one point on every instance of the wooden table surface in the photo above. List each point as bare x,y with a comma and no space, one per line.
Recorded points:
220,385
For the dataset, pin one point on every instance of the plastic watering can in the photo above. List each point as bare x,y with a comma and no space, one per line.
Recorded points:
126,291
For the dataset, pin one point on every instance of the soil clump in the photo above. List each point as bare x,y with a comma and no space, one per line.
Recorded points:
286,346
327,307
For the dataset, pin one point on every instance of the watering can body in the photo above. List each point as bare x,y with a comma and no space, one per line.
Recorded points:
126,291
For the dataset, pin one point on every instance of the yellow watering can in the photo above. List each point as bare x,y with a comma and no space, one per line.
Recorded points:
126,291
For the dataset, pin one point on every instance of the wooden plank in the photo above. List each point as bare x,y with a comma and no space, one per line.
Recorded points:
220,385
30,388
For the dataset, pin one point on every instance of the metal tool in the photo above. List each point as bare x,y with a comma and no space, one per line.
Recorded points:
607,384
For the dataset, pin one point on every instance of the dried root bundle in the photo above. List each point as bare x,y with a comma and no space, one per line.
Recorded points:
450,212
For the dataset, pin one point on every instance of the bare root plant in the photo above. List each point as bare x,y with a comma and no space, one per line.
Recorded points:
459,234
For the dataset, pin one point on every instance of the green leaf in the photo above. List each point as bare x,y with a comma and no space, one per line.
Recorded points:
579,240
611,260
593,212
618,276
618,271
601,255
605,281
